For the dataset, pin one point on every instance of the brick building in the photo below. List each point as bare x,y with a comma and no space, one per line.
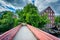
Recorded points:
50,14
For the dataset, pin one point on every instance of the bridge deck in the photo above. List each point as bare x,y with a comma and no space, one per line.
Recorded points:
24,34
27,32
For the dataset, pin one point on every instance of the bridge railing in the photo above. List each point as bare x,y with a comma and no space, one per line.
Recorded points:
41,35
10,34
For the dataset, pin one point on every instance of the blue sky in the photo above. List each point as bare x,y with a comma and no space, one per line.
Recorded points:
12,5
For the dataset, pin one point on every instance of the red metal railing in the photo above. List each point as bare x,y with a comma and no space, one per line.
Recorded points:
41,35
10,34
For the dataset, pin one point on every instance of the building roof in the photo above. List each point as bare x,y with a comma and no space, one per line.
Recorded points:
46,9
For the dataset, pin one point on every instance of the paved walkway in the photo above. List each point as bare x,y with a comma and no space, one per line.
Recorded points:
24,34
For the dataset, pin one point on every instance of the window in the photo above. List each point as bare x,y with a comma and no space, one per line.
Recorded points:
46,10
53,18
49,14
51,11
51,21
49,25
49,17
53,14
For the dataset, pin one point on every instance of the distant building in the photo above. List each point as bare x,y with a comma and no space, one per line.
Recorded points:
50,14
15,16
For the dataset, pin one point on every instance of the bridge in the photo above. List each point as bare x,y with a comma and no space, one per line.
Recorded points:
27,32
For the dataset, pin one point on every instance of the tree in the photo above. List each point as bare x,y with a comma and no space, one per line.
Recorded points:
44,20
57,22
6,21
30,15
57,19
15,19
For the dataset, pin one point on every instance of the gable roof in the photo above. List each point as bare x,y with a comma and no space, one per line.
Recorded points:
47,8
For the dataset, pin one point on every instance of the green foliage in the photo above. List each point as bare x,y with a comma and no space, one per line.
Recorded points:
30,15
57,19
44,20
6,22
15,22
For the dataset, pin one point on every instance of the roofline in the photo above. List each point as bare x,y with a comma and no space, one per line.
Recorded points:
45,9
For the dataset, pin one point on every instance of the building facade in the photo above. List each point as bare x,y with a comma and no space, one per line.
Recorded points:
50,14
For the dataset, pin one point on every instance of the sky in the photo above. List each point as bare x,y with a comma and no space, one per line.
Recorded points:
12,5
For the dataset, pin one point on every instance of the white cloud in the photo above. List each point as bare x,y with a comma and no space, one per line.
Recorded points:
51,1
4,4
42,4
3,9
57,14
